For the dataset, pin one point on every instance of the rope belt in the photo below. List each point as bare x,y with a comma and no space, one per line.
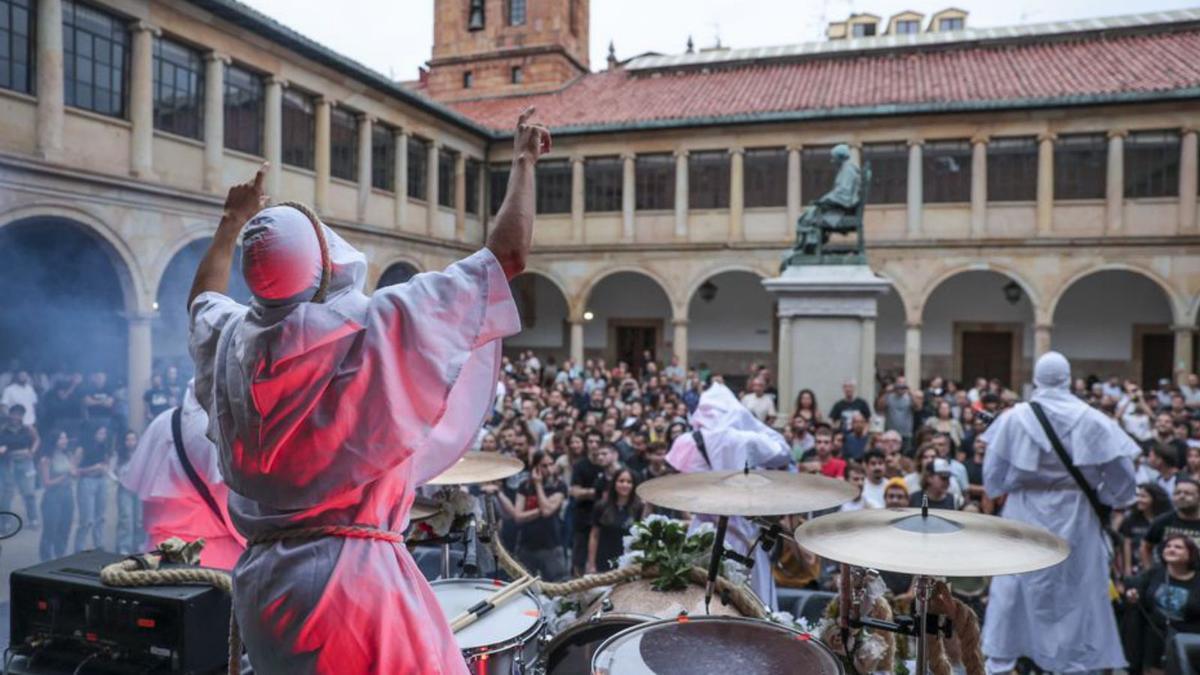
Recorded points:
322,531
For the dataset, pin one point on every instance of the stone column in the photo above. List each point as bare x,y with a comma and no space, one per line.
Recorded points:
979,194
855,153
783,377
681,194
1114,192
576,340
365,125
577,199
793,187
50,80
431,188
1045,184
1187,180
866,373
1042,334
141,355
737,194
214,120
141,100
628,188
916,196
1185,340
322,157
401,184
679,347
484,208
460,197
273,134
912,354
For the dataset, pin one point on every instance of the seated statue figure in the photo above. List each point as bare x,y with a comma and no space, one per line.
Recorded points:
827,213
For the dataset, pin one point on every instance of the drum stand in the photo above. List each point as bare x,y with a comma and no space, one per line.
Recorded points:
768,537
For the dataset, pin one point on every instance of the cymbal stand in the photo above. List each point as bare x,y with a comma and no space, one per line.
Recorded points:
714,563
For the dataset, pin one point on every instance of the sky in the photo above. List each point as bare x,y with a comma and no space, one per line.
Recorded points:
395,37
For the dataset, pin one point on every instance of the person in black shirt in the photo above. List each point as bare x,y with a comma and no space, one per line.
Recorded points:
583,499
1166,600
535,514
848,404
92,488
937,487
1185,519
99,404
157,398
18,471
1152,502
613,519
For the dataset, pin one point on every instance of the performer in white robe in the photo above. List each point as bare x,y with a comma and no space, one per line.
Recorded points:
1060,617
330,407
173,506
733,438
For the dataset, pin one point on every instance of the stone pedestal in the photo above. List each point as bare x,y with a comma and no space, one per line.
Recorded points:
826,331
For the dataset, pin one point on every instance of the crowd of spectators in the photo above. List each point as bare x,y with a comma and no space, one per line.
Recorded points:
590,432
64,437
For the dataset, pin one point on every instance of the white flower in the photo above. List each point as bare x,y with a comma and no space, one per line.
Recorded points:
735,573
629,559
704,528
782,617
654,518
627,541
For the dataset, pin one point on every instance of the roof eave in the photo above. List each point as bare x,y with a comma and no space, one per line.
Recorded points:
261,24
889,110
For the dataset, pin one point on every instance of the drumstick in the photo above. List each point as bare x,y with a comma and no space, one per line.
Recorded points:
488,604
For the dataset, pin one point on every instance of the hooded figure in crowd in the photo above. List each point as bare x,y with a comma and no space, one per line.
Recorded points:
330,407
1061,617
174,505
733,438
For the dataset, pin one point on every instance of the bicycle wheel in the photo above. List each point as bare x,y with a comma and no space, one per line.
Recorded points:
10,524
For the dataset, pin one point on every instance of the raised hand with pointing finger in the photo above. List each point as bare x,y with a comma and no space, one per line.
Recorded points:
246,199
530,140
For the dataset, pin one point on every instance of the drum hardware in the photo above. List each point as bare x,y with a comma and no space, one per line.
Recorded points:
924,544
505,640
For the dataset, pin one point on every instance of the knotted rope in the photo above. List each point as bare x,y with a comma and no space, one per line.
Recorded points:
742,598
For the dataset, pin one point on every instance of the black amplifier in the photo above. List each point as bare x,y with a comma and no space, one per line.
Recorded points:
62,614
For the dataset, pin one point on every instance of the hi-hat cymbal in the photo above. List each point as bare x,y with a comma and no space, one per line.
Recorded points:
740,493
423,509
479,467
944,543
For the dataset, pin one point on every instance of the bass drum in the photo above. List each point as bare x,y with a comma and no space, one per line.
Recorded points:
505,641
710,644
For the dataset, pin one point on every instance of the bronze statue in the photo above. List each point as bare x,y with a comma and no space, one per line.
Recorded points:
837,211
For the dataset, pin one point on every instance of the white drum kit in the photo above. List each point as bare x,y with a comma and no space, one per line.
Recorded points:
512,637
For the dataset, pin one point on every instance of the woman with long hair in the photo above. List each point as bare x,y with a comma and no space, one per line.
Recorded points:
943,422
1164,600
613,519
806,407
1152,501
57,468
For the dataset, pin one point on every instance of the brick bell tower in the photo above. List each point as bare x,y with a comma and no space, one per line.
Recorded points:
484,48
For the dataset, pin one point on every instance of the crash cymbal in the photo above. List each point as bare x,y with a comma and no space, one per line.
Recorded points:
741,493
479,467
943,543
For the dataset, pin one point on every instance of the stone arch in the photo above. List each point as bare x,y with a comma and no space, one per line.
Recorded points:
125,263
891,320
1117,320
732,329
699,280
970,327
922,296
169,332
634,315
596,279
398,271
545,309
1179,311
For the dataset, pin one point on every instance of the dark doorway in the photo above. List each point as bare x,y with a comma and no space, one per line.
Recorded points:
1158,356
633,341
987,354
396,274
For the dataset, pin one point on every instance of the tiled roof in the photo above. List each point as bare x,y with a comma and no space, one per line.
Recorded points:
1095,67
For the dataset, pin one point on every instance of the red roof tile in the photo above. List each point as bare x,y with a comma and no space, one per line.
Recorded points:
1085,66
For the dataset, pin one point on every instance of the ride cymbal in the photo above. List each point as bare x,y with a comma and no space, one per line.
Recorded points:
942,543
423,509
741,493
479,467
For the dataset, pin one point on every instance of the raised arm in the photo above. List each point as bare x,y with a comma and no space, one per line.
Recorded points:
512,234
242,202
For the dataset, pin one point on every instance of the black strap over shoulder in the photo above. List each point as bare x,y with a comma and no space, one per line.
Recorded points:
1102,512
201,487
699,438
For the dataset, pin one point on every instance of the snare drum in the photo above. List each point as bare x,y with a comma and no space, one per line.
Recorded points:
707,644
502,642
571,651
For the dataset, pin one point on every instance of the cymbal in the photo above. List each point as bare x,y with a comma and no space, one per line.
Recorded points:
423,509
740,493
944,543
479,467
